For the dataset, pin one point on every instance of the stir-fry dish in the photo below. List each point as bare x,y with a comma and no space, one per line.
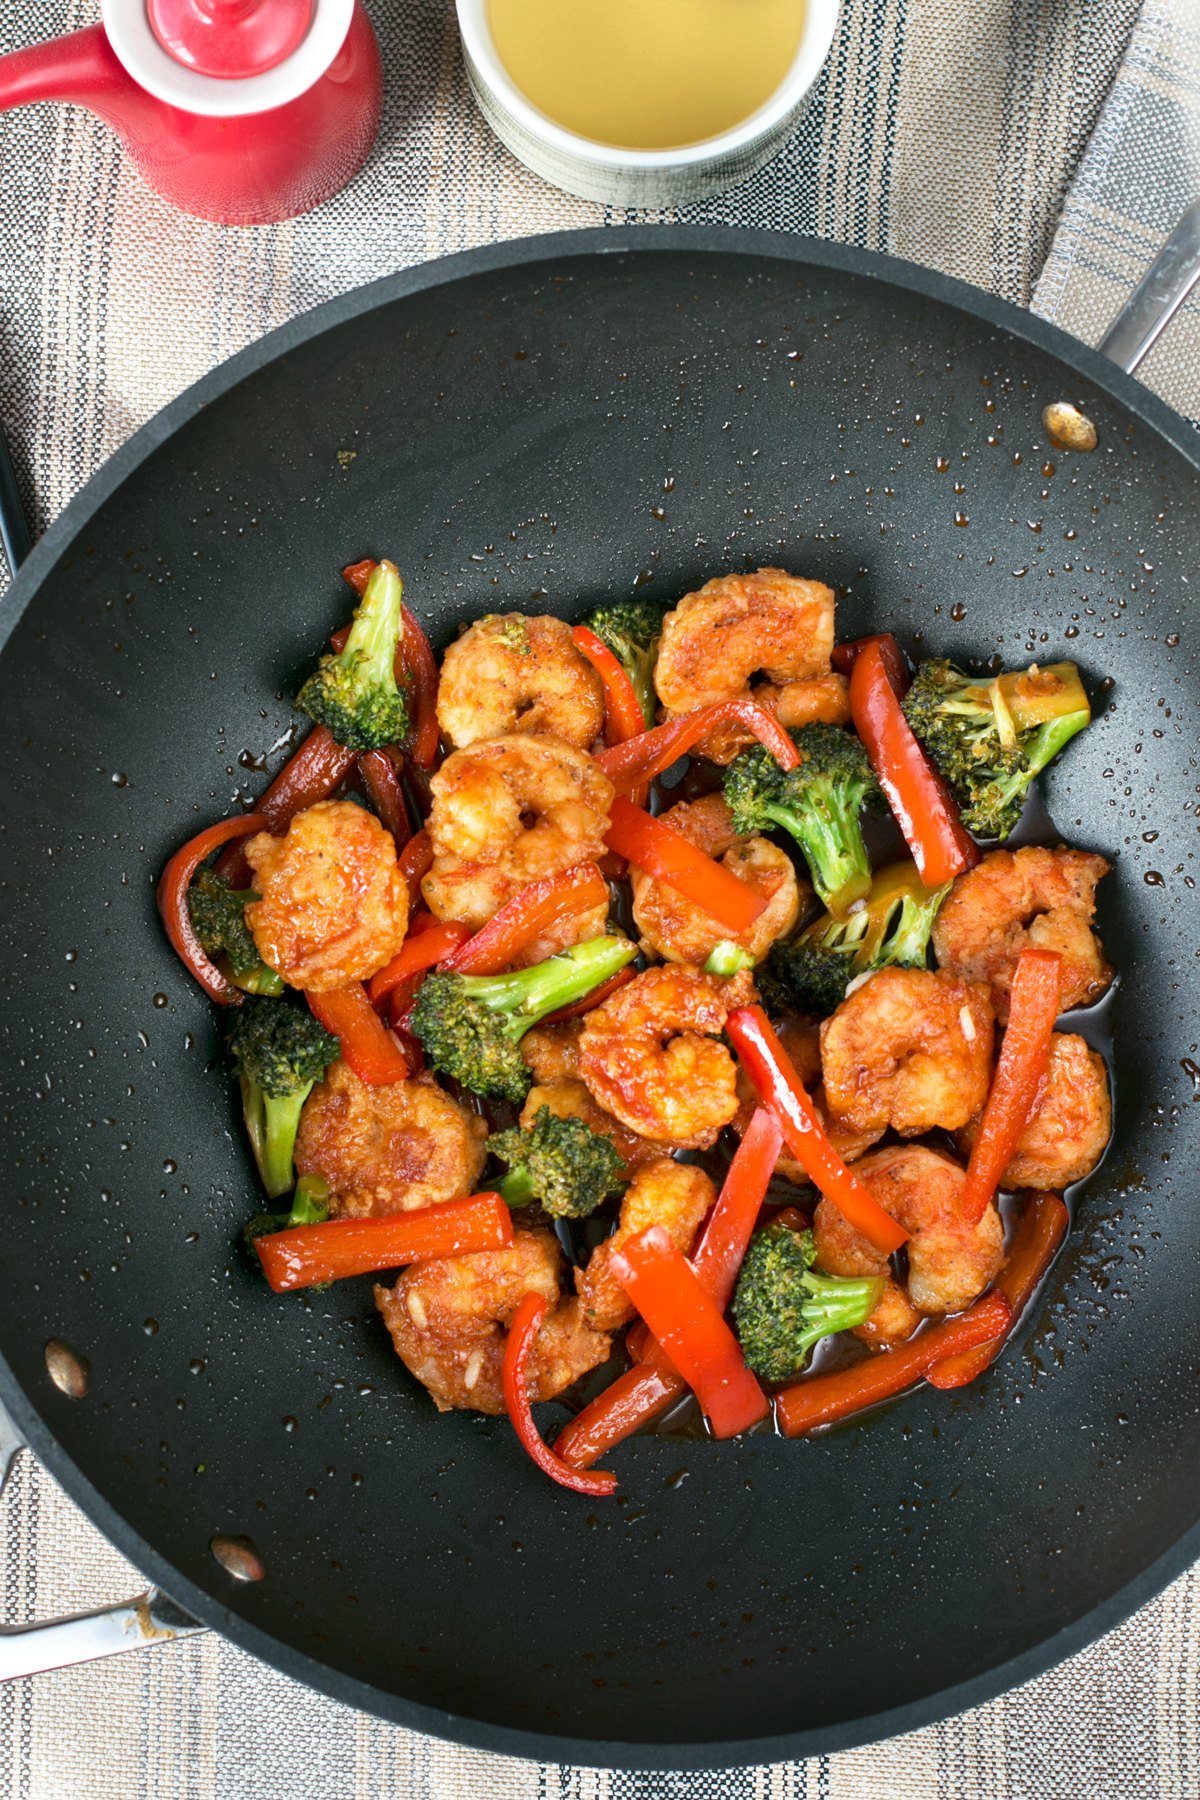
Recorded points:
637,1001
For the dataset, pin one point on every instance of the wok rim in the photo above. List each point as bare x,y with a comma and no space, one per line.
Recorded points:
981,307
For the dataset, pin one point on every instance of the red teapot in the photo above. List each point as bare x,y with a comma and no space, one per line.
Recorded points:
242,111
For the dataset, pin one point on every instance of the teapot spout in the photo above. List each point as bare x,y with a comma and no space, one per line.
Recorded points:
79,68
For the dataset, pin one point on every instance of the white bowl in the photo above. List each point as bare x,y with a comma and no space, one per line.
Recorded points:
623,177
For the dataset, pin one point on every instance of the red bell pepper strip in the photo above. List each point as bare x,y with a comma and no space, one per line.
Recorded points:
597,997
824,1399
368,1047
357,575
527,1322
623,716
419,666
653,845
173,902
924,806
308,1254
689,1325
1020,1076
420,950
644,1392
381,778
581,888
642,758
778,1086
414,863
844,657
1042,1229
319,766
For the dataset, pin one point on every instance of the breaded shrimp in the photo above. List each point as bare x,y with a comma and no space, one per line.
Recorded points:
678,930
909,1049
650,1054
449,1322
743,634
512,673
1013,898
333,906
674,1195
567,1098
949,1262
801,1038
388,1149
506,812
1066,1137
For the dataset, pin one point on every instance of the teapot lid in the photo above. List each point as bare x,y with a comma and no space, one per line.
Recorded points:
226,58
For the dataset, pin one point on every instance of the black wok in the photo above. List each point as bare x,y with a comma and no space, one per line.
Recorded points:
535,426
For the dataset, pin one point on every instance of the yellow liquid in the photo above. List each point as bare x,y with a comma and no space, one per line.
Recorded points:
647,74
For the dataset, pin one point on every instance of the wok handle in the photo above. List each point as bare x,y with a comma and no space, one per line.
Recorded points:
1159,295
149,1618
14,529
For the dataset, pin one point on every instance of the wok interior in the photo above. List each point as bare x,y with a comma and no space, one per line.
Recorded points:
513,440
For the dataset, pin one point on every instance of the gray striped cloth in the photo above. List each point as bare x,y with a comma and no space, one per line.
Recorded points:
1038,148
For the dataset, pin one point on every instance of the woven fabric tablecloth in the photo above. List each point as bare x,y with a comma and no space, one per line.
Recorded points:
1041,150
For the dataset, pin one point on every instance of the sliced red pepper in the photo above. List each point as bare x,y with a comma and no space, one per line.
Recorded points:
689,1325
778,1086
653,845
597,997
367,1046
414,863
845,656
522,1333
623,716
1019,1079
643,1393
924,806
581,888
308,1254
319,766
824,1399
416,659
173,902
420,950
381,778
642,758
1041,1230
357,575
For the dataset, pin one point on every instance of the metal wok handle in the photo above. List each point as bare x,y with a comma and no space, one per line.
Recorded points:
1159,295
149,1618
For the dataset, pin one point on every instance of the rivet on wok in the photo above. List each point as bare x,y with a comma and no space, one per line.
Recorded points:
238,1557
70,1373
1068,428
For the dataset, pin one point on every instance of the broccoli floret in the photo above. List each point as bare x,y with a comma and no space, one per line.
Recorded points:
727,958
354,693
818,804
781,1308
279,1051
632,630
990,738
811,972
310,1206
219,916
470,1025
562,1164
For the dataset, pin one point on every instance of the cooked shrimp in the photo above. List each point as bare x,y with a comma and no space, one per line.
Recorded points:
673,1195
909,1049
650,1055
821,700
679,931
1013,898
801,1038
552,1051
449,1321
949,1262
333,906
505,813
511,673
569,1099
740,634
388,1149
1066,1137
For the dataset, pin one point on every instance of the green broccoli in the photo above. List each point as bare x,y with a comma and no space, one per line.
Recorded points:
561,1163
781,1308
470,1024
632,629
811,972
354,692
279,1052
727,958
818,804
310,1206
219,916
990,738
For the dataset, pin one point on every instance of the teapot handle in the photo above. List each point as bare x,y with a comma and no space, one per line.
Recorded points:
79,67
